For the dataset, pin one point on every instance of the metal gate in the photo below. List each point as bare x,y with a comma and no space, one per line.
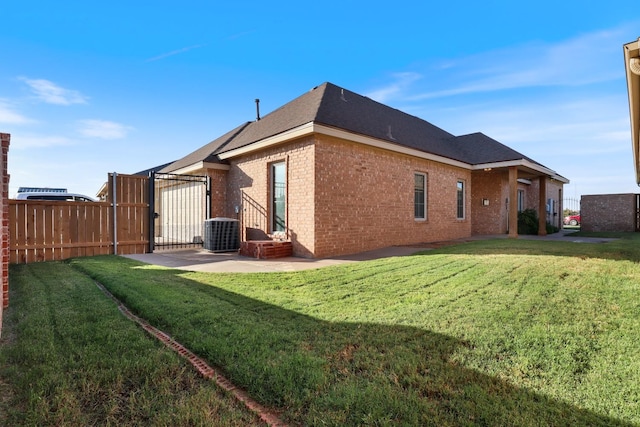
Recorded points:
178,206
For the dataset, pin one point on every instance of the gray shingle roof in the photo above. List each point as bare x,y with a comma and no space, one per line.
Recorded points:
333,106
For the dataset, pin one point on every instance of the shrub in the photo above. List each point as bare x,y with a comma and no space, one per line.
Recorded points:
528,221
552,229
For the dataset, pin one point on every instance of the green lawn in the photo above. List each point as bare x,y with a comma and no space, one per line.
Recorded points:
69,358
502,332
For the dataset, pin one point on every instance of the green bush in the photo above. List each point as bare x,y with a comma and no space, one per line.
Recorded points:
528,221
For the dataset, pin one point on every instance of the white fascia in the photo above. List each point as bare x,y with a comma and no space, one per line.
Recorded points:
311,128
196,167
524,164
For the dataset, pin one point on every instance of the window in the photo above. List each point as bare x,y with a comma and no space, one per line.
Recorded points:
520,200
420,196
278,197
460,213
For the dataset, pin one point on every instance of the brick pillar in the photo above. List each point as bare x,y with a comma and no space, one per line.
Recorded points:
542,207
4,227
513,201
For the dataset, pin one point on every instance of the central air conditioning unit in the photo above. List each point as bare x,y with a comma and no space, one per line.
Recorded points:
221,234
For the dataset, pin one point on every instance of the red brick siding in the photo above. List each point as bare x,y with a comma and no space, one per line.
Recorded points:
608,212
494,187
364,199
248,187
219,194
4,228
554,191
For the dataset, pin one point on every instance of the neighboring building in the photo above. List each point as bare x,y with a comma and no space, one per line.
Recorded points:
339,173
5,140
632,67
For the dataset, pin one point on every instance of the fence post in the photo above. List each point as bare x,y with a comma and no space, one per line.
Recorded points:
114,198
208,199
152,211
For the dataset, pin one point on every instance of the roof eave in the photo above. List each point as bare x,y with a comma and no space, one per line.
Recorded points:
525,164
312,127
198,166
632,50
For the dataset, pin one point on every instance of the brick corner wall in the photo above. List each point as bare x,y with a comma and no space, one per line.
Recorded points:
5,139
608,212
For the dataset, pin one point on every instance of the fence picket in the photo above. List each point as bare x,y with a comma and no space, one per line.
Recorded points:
42,230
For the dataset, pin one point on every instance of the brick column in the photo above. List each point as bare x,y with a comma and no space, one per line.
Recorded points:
4,227
542,207
513,201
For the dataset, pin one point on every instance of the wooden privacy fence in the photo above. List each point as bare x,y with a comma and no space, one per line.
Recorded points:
42,230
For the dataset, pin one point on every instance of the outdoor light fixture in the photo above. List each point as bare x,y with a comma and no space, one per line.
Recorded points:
487,169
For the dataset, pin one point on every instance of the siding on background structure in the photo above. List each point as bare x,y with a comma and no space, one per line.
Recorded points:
608,212
5,140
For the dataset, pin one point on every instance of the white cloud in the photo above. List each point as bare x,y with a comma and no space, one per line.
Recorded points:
11,117
402,81
51,93
175,52
103,129
586,59
23,142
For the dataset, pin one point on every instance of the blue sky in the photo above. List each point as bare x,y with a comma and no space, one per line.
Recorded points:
88,88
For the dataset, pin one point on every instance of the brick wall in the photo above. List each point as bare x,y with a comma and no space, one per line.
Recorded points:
219,194
608,212
365,199
248,187
344,197
494,187
554,192
4,228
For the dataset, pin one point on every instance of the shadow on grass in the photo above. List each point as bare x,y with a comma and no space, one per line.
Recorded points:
328,373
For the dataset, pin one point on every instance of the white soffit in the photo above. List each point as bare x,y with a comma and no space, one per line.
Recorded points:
198,167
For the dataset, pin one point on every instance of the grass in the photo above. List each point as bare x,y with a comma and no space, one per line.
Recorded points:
503,332
69,358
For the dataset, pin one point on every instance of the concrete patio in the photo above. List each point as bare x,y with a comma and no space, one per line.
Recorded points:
231,262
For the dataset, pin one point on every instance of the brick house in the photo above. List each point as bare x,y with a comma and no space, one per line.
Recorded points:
338,173
5,140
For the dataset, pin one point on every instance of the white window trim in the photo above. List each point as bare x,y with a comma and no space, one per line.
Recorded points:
426,186
272,209
464,199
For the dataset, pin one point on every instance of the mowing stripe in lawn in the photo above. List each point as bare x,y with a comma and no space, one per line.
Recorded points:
265,414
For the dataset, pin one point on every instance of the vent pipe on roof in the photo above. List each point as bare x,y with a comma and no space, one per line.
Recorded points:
257,109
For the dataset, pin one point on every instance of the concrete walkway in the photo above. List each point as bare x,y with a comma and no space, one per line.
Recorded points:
231,262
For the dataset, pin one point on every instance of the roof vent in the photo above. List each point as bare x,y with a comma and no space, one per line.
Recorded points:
257,109
389,134
342,95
